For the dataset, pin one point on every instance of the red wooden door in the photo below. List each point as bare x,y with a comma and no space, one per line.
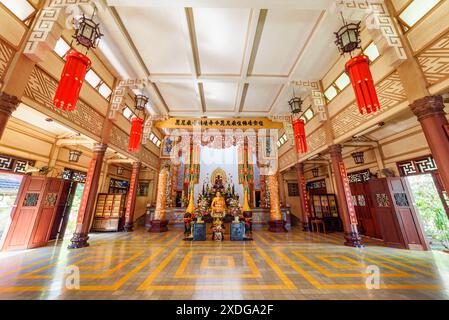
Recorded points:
365,216
384,211
24,216
33,218
47,212
409,222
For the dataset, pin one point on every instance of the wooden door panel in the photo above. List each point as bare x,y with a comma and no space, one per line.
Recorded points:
410,227
20,231
64,204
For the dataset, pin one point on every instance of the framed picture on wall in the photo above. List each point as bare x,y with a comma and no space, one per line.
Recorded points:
167,147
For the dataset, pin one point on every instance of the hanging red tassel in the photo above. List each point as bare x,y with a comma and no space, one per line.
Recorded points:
72,79
135,134
300,135
363,84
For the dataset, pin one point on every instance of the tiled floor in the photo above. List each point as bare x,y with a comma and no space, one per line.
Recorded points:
294,265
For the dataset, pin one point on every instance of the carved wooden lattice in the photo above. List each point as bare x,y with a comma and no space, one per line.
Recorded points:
41,88
434,61
390,92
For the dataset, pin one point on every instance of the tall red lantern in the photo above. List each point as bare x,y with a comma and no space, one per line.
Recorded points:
300,135
72,79
363,84
135,134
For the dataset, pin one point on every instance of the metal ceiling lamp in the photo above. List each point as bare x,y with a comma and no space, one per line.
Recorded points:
87,34
295,103
74,155
87,31
298,124
120,171
359,157
315,172
348,40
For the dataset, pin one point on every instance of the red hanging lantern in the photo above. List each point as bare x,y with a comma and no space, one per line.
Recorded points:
363,84
72,79
135,134
300,135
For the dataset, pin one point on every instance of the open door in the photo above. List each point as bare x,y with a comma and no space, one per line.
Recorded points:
33,218
63,210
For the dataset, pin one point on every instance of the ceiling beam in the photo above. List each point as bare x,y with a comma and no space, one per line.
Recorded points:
268,4
254,32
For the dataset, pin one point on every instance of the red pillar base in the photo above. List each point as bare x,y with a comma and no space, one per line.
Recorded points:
128,227
79,240
158,226
353,239
276,226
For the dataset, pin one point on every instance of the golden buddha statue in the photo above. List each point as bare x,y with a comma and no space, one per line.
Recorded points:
218,204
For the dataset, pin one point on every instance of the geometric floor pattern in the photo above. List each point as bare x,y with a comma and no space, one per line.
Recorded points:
294,265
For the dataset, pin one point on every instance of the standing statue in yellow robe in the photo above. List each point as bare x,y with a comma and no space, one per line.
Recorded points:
218,204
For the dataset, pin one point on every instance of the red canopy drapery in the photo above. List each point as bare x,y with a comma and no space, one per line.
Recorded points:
72,79
135,134
300,135
363,84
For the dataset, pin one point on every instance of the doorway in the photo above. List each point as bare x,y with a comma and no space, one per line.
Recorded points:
428,202
65,222
9,189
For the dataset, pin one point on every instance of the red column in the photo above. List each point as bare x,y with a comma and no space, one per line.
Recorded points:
431,115
86,210
8,105
344,198
305,207
131,201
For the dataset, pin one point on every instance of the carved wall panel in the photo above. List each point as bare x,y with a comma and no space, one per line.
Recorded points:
434,60
41,88
6,55
390,92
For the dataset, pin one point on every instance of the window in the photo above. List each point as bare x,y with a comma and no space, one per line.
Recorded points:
330,93
282,140
372,52
105,91
155,139
22,9
342,81
415,11
128,113
61,47
309,114
92,78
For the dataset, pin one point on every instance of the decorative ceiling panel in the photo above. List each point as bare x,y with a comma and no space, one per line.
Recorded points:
221,35
390,92
41,88
284,35
434,60
157,33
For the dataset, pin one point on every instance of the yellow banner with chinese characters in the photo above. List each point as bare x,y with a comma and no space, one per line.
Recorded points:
224,123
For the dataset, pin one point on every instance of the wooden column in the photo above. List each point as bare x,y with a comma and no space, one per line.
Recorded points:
276,223
132,194
431,115
159,223
174,185
282,198
87,206
8,105
305,208
344,197
263,186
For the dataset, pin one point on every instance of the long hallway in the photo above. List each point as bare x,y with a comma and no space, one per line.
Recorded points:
294,265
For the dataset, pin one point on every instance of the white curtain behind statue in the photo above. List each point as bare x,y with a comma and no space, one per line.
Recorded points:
211,159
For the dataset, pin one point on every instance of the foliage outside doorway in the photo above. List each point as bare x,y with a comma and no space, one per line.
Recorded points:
71,224
433,215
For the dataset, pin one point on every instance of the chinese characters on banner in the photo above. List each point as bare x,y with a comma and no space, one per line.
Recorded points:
304,192
85,196
348,195
131,194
